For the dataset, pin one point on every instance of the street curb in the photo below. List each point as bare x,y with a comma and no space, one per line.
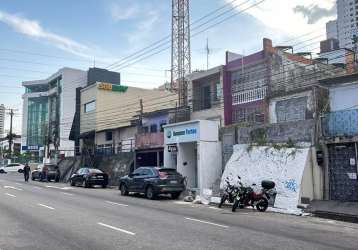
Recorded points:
336,216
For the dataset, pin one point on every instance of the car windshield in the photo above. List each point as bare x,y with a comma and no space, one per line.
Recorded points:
51,167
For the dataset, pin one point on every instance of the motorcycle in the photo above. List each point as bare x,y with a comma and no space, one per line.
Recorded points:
229,194
248,197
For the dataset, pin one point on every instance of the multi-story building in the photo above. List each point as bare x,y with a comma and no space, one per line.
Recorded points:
346,25
2,120
109,115
332,30
347,22
48,110
340,138
49,107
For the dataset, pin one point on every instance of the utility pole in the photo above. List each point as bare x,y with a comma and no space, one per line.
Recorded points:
207,53
10,135
355,41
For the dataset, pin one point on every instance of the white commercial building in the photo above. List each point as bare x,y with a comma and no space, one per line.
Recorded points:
332,29
2,120
49,107
346,25
194,149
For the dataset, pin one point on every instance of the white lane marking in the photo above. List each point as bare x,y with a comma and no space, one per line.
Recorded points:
61,188
11,195
42,205
66,193
53,187
115,228
19,184
207,222
117,204
15,188
39,188
215,208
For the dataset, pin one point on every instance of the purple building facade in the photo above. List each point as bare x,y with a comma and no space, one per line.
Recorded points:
245,85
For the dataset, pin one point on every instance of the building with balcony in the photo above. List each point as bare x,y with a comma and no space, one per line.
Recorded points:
340,138
205,94
116,118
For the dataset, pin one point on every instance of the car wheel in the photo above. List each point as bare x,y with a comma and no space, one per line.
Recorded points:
32,178
149,193
175,195
124,190
20,171
104,186
2,171
57,180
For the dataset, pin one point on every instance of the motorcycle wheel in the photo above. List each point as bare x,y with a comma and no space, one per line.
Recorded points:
235,205
262,205
223,199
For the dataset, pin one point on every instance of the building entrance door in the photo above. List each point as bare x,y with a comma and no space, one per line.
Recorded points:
343,172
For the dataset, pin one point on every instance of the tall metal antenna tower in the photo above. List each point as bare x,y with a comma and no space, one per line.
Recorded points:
181,54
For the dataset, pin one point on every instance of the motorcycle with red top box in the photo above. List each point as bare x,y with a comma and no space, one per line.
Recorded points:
247,197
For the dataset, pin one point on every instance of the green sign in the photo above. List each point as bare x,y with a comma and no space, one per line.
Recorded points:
112,87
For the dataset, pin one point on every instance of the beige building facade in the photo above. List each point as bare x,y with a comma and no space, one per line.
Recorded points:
109,113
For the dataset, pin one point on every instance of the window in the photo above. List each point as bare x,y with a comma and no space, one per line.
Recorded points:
162,124
138,171
147,172
153,128
90,106
109,136
218,91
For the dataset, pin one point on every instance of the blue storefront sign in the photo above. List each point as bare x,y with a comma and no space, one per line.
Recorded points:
30,148
181,133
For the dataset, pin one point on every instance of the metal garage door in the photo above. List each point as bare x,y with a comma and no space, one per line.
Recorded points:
343,172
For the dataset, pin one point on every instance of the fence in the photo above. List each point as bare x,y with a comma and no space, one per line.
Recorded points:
340,123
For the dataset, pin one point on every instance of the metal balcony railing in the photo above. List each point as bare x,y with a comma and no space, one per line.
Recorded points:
250,95
149,140
340,123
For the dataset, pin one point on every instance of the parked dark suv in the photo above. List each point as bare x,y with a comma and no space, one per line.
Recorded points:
153,181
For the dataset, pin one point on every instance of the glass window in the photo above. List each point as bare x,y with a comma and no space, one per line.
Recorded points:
138,171
153,128
90,106
162,124
109,136
147,172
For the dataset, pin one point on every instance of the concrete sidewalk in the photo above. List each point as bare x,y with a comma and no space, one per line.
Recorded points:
337,210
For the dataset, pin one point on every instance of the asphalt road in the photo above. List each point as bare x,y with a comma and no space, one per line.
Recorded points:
56,216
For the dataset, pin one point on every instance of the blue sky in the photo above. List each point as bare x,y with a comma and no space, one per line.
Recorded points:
39,36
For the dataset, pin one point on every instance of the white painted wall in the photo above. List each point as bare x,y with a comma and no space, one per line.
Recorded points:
209,130
71,79
187,154
210,164
285,167
345,97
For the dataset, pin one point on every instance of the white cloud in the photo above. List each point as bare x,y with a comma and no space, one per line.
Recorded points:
119,12
33,29
280,15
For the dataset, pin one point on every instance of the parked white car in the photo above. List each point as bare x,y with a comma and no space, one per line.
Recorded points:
12,167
